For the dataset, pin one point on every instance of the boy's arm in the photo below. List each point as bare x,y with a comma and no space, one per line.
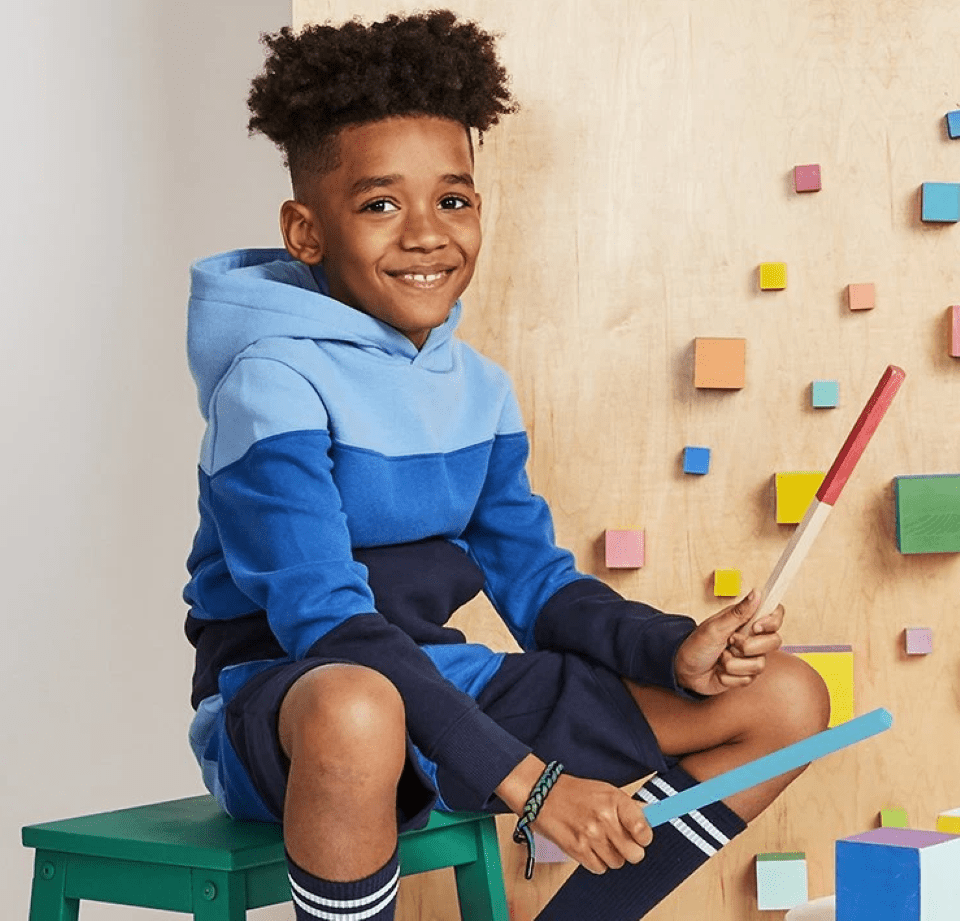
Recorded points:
535,585
286,545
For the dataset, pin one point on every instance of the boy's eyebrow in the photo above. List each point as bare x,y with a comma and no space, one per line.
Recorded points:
367,183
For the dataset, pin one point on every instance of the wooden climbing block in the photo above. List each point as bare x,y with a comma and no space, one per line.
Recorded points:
547,851
781,881
624,549
955,331
835,665
928,513
773,276
824,394
696,460
795,491
719,364
953,123
862,296
949,822
898,874
940,202
726,583
894,817
918,641
807,178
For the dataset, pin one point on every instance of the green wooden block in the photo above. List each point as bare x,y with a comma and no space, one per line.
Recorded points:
894,818
928,513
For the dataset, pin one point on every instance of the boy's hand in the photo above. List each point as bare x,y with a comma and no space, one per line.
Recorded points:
596,824
715,657
599,826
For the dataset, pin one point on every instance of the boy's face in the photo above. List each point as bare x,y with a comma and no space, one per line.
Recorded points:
396,225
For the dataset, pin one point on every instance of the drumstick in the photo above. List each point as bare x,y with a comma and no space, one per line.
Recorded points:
828,493
768,767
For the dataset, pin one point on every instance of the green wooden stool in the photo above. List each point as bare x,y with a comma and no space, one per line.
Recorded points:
187,855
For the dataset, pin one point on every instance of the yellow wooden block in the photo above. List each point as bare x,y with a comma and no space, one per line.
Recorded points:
835,666
773,276
726,583
949,822
795,491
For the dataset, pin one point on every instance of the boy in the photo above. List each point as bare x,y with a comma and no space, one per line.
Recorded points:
362,476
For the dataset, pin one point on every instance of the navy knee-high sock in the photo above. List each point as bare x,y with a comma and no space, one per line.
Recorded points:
677,850
370,899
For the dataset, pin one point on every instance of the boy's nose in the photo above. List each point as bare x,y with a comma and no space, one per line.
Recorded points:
423,230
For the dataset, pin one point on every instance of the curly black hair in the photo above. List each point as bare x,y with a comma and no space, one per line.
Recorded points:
318,81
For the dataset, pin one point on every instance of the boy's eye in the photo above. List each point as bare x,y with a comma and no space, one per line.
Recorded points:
453,202
380,206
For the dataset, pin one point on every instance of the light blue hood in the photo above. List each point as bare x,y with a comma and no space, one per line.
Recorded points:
241,297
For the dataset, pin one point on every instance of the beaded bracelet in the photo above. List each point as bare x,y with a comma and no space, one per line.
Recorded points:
522,833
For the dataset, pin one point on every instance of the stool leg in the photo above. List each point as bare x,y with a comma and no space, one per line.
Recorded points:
48,900
219,896
480,884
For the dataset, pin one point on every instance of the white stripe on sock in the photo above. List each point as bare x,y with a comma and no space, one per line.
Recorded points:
345,903
694,814
340,916
649,797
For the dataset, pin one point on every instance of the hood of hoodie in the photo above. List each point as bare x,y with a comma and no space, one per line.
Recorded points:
241,297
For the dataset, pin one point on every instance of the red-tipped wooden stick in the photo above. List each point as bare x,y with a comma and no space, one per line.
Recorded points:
829,491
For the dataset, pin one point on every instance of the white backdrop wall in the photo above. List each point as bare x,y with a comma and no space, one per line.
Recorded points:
125,157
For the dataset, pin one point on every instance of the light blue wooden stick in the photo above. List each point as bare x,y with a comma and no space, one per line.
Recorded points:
769,766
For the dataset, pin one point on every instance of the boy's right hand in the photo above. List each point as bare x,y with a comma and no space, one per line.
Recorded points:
595,823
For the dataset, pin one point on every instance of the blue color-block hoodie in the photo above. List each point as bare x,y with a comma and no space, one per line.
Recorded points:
337,457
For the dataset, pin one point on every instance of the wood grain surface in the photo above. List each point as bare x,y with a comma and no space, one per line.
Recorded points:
627,208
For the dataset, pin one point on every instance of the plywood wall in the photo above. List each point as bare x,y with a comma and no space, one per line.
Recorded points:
626,210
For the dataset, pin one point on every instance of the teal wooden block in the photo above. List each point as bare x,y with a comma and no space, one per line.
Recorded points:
825,394
928,513
781,881
940,202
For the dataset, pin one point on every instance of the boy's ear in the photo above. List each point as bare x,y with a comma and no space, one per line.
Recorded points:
301,232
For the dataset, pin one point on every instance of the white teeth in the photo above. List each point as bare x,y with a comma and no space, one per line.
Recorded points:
425,278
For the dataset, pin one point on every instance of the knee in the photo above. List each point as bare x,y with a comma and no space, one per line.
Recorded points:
344,717
798,700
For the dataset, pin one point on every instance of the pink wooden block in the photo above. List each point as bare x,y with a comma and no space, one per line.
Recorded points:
862,296
624,549
547,851
807,178
955,331
919,641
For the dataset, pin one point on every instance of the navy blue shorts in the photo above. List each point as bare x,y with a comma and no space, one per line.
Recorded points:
563,706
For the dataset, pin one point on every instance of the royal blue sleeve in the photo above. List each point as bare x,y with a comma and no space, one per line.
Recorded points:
538,591
286,544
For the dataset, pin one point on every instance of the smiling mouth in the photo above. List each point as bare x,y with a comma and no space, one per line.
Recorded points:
422,279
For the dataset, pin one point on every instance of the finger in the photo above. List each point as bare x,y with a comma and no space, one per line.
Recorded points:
732,618
742,667
769,623
733,681
743,647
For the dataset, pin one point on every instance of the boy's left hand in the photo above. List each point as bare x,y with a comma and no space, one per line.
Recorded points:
715,657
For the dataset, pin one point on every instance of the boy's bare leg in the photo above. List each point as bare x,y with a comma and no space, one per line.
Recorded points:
343,729
787,702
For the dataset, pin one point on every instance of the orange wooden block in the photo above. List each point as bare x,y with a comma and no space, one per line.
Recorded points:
862,296
720,364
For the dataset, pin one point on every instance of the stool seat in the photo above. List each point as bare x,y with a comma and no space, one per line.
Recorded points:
187,855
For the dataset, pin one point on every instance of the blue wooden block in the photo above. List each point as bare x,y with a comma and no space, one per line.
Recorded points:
696,460
825,394
953,123
940,202
898,874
